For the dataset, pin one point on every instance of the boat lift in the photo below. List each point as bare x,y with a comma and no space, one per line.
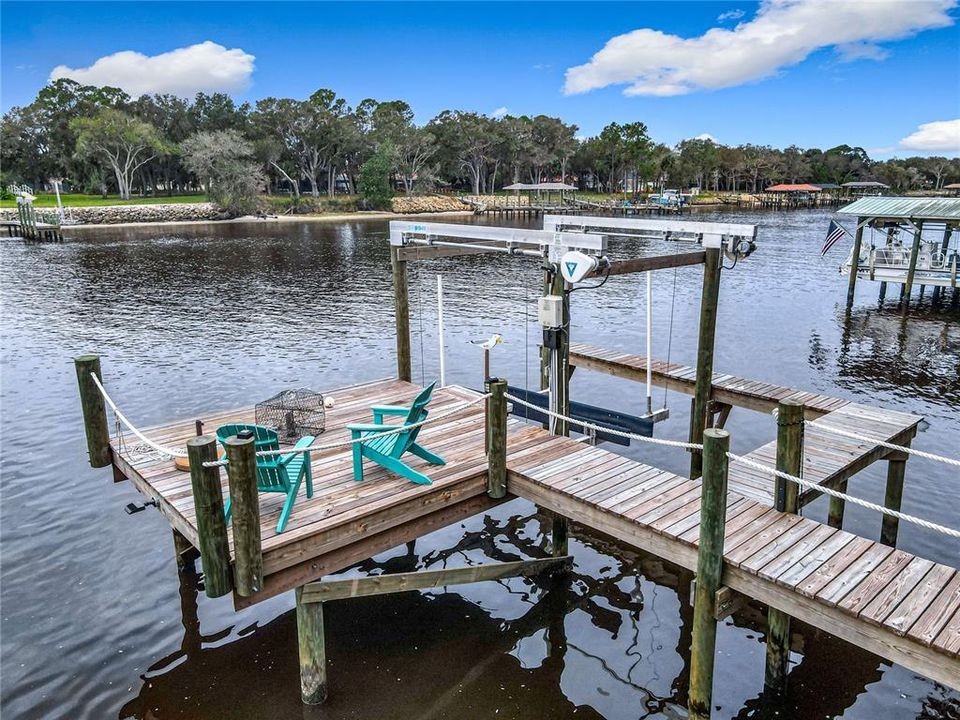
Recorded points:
570,256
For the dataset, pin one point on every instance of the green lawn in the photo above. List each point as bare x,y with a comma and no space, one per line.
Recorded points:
45,200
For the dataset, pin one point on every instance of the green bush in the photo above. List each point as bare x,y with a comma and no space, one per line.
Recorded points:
374,181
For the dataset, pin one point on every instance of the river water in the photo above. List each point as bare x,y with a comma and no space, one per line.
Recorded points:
96,624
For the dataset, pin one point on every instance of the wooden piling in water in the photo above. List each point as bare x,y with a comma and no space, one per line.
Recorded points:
855,261
211,524
401,303
893,497
497,435
912,267
709,300
312,651
245,515
786,494
944,246
94,411
713,510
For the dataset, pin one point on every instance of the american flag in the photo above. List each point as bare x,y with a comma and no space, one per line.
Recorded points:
834,233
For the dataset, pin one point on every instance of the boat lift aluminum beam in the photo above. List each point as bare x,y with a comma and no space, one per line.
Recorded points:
514,241
692,231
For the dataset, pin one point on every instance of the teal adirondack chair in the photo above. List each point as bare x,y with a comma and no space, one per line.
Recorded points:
389,449
275,473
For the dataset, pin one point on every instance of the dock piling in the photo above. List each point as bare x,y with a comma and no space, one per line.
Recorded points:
836,508
855,261
245,515
709,300
497,438
313,651
401,302
713,510
896,468
786,500
912,268
211,523
94,411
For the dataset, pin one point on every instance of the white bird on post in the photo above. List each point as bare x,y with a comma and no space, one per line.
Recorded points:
487,346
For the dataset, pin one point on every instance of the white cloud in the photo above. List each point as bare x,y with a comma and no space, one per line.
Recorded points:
500,112
704,136
730,15
942,136
206,67
862,51
783,33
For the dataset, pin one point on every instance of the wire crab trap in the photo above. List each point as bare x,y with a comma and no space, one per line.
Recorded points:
292,413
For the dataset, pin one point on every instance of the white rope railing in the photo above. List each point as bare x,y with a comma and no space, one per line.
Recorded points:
832,430
172,452
366,438
847,498
603,428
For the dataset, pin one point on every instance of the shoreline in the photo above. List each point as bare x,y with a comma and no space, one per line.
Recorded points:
274,220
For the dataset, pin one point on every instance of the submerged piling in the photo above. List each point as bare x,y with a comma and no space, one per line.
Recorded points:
312,650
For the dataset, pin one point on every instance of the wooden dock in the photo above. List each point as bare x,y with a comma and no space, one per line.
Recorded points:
829,459
901,607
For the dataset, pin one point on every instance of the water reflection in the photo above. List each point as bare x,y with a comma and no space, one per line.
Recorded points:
194,319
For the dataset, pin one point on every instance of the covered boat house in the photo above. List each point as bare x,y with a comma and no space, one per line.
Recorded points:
905,240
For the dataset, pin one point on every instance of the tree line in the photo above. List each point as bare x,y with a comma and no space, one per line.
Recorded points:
101,140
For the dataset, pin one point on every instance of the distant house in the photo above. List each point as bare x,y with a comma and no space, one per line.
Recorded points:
952,189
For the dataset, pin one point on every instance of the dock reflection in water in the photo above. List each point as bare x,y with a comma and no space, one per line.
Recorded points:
213,316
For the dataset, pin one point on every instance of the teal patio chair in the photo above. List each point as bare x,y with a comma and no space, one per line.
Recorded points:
275,473
388,450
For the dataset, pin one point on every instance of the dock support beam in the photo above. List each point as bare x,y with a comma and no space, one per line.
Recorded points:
497,438
94,411
836,509
912,268
245,515
855,261
896,468
713,510
211,523
709,300
401,303
786,493
313,651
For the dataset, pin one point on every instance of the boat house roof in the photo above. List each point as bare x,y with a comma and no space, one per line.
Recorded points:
905,208
541,186
787,187
865,184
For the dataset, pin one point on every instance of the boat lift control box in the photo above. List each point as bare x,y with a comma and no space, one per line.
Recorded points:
550,311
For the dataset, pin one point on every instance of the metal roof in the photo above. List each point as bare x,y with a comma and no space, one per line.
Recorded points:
541,186
905,208
865,184
788,187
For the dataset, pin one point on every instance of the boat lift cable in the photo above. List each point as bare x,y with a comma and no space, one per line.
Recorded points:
757,466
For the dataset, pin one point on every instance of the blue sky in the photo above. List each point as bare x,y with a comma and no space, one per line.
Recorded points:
869,79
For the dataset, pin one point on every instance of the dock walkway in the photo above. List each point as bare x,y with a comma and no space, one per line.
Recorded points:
902,607
829,459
